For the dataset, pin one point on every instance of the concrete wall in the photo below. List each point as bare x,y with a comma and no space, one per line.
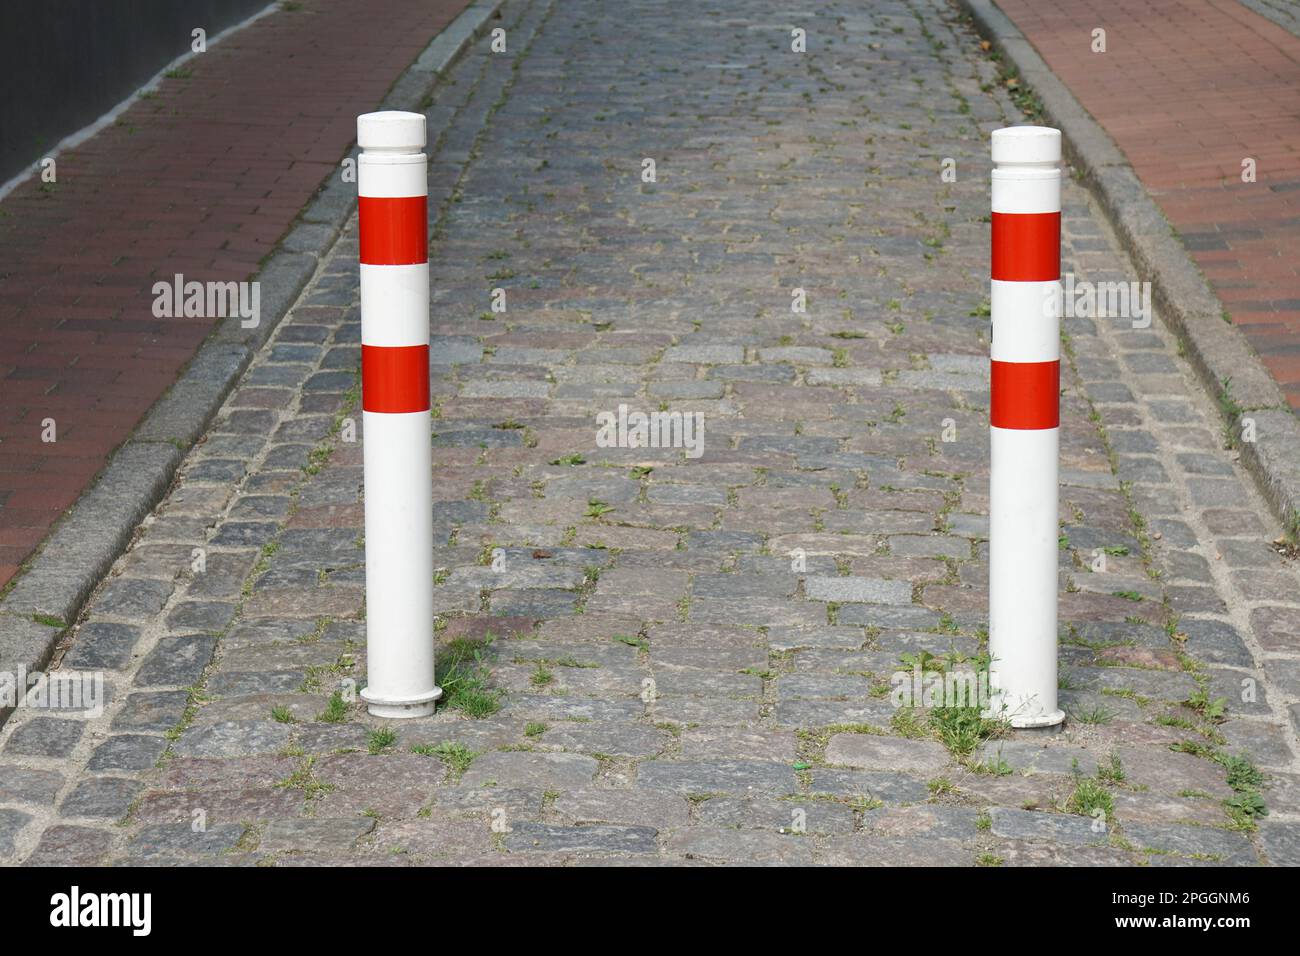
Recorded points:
64,63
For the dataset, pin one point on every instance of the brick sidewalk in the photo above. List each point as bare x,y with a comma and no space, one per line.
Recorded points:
202,179
1188,89
658,681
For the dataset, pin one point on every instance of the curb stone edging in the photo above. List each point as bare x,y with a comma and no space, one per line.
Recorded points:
45,598
1287,19
1228,367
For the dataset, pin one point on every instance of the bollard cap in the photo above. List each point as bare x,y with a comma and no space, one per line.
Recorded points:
1027,144
391,130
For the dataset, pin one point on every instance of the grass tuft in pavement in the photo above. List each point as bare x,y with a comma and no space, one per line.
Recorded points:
463,675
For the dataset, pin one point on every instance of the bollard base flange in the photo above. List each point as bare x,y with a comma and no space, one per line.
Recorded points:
400,708
1027,721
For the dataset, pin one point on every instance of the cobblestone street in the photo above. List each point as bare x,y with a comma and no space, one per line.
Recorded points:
652,656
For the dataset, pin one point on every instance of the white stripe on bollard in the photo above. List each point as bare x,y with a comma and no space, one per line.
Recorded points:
392,189
1024,425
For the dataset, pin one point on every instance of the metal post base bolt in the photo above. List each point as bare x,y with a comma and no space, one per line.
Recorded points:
392,213
1024,425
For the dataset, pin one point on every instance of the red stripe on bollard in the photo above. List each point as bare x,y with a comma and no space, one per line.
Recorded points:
1025,395
1026,246
395,380
394,230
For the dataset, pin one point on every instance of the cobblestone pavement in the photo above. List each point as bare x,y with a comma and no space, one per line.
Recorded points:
635,670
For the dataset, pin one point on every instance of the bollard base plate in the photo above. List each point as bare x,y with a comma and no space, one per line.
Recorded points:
401,708
1027,721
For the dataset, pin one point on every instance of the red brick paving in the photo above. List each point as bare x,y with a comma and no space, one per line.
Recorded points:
202,179
1187,89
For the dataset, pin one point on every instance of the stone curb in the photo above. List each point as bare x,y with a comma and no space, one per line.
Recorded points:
1288,19
48,595
1227,365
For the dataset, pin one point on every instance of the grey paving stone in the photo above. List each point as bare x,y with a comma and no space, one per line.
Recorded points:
1224,846
1161,685
754,847
234,534
826,713
1032,853
771,611
329,834
1281,843
23,784
1264,743
127,752
1143,807
11,824
739,742
863,850
65,845
232,738
132,598
724,541
454,350
1031,756
867,377
328,738
705,354
791,815
539,707
900,615
176,661
889,787
717,776
1054,827
256,682
45,737
930,822
151,710
595,838
505,389
558,771
217,471
645,808
789,638
1242,690
929,546
1276,628
858,590
105,797
840,686
1165,771
623,740
1215,492
102,646
870,752
181,840
753,373
210,617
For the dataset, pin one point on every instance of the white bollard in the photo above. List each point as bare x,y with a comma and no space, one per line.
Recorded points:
1024,424
392,187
